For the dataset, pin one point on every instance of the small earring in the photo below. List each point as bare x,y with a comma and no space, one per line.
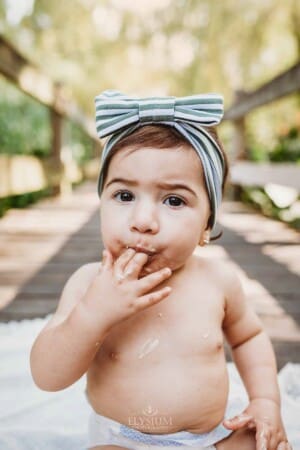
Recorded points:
206,241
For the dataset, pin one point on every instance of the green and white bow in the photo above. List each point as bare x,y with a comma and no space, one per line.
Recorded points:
119,115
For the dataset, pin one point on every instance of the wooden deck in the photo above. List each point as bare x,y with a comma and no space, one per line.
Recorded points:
41,246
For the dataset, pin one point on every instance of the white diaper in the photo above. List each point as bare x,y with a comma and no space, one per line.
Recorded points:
105,431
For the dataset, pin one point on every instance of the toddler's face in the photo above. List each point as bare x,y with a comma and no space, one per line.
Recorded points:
142,208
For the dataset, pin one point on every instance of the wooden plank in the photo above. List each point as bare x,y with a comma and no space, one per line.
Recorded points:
271,284
36,246
284,84
247,173
27,76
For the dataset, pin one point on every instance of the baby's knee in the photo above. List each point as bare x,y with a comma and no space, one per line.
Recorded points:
240,439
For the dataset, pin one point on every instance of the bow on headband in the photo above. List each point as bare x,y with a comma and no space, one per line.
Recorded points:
119,115
114,110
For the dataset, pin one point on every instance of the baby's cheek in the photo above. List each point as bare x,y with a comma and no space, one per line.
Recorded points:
116,248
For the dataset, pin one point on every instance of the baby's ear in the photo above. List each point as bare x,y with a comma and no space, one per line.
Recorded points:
205,238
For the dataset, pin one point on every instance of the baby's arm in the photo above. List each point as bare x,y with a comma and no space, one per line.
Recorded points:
254,357
65,347
93,301
251,347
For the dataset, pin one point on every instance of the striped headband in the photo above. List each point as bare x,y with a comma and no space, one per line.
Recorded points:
119,115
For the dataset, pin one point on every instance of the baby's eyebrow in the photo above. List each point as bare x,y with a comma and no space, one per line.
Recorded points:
163,185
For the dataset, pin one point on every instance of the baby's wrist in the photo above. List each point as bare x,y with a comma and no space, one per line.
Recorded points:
261,399
83,319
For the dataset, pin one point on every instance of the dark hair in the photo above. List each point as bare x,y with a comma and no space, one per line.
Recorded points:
163,136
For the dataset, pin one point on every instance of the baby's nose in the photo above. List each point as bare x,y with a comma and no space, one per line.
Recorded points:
144,220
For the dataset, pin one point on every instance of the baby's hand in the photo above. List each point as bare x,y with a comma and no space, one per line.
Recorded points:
116,293
263,415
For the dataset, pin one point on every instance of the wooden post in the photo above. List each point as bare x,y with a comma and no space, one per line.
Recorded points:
239,137
56,127
56,139
239,141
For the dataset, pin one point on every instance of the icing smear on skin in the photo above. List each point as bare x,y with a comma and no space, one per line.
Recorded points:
142,248
263,437
150,249
148,347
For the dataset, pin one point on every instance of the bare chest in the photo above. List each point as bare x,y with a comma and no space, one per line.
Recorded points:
169,356
187,323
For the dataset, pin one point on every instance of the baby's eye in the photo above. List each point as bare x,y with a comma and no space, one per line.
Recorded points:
123,196
175,201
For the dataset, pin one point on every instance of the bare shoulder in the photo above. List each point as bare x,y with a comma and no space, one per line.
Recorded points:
73,290
240,320
222,272
83,276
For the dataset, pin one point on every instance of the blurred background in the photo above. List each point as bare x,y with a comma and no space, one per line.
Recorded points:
62,54
55,57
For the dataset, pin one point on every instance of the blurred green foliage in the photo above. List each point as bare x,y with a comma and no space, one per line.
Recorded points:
81,145
22,200
24,123
178,47
173,47
258,153
259,199
287,148
25,127
25,130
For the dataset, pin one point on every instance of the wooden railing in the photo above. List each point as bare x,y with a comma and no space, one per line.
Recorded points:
284,84
29,79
